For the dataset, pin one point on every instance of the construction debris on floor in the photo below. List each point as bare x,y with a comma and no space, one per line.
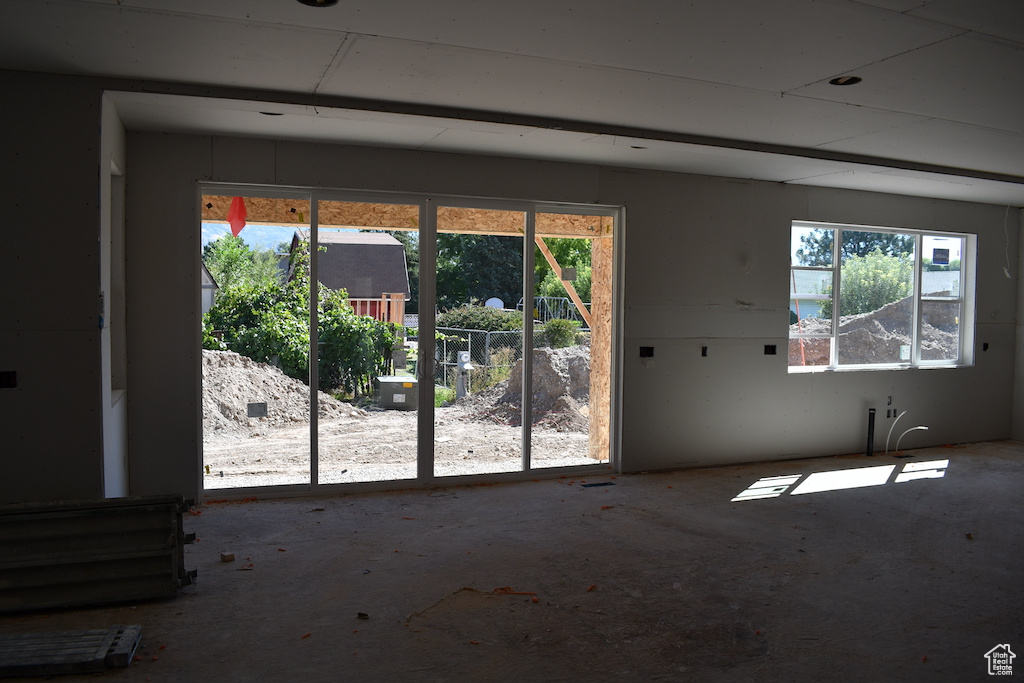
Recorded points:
68,652
665,576
66,554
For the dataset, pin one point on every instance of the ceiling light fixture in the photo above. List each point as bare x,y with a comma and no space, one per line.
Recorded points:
846,80
319,3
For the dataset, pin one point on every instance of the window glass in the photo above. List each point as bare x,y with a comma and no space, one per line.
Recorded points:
809,292
940,330
809,352
894,298
811,246
940,273
876,302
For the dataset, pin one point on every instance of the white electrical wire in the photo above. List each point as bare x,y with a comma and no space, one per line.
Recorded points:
890,430
912,429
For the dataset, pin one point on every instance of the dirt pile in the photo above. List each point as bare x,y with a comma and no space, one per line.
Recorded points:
561,391
231,382
877,337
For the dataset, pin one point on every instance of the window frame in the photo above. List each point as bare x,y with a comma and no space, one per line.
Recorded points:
965,298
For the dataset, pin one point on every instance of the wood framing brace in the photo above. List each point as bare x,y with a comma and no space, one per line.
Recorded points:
570,289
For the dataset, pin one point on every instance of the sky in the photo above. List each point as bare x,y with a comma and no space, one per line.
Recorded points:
928,245
262,236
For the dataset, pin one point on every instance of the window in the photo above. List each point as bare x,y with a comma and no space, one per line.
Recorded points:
866,297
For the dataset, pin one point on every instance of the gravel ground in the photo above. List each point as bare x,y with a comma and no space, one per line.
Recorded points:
354,444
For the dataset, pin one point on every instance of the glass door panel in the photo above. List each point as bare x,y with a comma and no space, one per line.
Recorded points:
572,311
255,322
367,268
478,361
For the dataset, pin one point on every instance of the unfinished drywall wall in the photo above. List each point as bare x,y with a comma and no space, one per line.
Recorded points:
1018,383
49,289
706,265
113,349
163,312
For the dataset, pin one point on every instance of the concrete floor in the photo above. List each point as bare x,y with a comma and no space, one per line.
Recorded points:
656,577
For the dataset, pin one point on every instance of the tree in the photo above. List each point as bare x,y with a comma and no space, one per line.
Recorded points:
816,249
477,267
869,282
551,285
268,321
569,252
481,318
232,263
926,264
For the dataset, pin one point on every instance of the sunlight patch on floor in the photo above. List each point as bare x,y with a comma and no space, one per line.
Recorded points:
859,477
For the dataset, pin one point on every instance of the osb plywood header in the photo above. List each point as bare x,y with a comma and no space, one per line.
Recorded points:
276,211
573,225
335,214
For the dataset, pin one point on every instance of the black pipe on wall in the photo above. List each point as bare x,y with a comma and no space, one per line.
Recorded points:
871,433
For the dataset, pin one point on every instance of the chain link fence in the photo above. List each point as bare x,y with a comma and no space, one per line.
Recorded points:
492,354
547,308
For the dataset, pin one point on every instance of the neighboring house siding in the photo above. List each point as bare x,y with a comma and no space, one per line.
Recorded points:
369,266
210,288
805,282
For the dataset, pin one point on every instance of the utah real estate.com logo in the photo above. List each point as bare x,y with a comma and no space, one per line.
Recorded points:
1000,660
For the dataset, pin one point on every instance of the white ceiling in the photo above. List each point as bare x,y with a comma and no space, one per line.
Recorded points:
736,88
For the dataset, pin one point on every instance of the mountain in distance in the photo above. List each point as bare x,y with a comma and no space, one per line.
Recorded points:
255,236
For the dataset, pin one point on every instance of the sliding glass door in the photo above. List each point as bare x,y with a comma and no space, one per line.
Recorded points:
423,337
367,268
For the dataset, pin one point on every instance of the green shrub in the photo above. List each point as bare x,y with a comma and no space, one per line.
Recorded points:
870,282
443,395
559,333
498,369
269,322
212,341
481,318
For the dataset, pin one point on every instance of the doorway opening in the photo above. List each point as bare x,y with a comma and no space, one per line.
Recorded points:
422,323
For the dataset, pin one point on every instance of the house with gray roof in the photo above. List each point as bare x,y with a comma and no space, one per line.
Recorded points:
369,266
